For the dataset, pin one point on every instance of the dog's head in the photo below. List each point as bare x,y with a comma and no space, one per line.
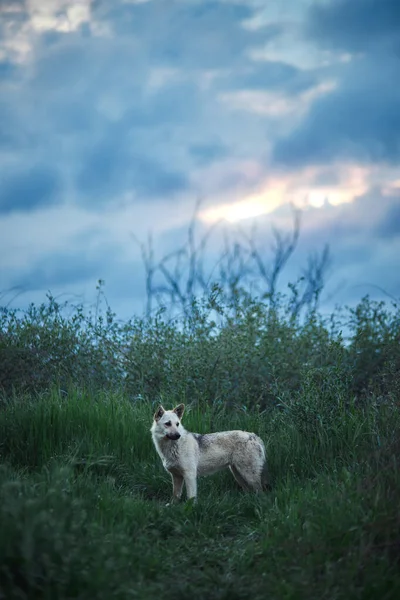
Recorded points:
167,423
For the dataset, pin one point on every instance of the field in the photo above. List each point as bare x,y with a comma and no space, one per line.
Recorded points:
83,496
83,507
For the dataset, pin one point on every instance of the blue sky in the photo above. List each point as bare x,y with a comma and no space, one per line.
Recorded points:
117,115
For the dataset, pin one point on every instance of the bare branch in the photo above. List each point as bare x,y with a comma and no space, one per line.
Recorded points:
283,248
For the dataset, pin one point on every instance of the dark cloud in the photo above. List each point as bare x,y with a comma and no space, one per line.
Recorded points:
175,103
112,167
70,117
68,64
93,93
355,220
72,76
91,107
7,70
205,154
60,270
12,7
79,78
206,34
106,153
8,133
359,120
17,135
85,261
389,225
356,25
30,189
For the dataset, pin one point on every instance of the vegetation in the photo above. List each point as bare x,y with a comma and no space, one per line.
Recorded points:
83,496
83,506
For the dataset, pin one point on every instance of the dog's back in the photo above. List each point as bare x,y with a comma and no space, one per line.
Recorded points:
237,448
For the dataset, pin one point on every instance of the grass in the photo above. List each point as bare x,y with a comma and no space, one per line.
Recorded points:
83,506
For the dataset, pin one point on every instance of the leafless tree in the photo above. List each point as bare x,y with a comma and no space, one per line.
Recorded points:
268,270
180,277
147,253
312,281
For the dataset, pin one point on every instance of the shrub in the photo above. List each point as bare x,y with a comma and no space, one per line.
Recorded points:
249,354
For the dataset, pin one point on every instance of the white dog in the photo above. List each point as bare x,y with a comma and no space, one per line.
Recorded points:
187,455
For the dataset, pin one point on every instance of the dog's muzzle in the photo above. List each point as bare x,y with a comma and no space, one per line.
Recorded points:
173,436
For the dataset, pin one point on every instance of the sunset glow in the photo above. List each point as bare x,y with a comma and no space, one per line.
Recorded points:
296,189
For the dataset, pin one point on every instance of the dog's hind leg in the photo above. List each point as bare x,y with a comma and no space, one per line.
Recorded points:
247,479
239,478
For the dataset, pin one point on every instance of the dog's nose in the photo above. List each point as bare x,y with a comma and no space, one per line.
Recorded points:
175,436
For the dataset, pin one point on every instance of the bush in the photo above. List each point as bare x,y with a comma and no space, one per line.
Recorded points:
251,354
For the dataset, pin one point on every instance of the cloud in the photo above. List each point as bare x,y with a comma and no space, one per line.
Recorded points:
91,118
389,225
272,75
7,70
114,112
193,35
356,25
28,190
109,169
133,109
363,257
59,270
359,120
74,273
275,103
86,253
8,133
207,153
307,187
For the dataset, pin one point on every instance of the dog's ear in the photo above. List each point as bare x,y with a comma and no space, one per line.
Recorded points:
159,413
179,410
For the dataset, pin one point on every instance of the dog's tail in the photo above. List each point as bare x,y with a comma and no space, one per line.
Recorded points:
265,481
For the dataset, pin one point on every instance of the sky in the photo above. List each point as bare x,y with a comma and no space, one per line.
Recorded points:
117,116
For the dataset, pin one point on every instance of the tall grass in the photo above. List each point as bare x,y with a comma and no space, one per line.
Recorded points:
83,506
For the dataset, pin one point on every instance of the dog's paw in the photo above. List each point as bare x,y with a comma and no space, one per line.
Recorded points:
190,504
173,502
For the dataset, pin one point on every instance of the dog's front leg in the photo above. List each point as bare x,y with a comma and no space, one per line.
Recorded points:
177,485
191,484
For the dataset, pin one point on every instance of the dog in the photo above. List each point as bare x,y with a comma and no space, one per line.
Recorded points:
188,455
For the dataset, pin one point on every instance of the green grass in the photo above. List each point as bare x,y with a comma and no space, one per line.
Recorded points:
83,506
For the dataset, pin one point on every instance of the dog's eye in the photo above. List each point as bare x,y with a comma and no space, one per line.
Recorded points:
168,424
177,424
